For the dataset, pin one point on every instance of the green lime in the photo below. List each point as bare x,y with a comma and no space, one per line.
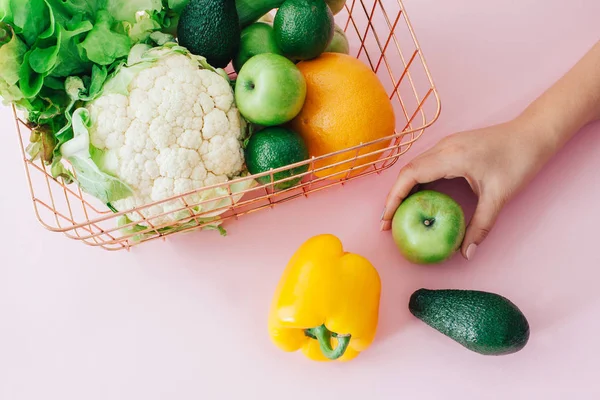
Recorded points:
255,39
273,148
303,28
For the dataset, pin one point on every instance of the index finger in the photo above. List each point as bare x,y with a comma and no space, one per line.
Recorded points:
418,171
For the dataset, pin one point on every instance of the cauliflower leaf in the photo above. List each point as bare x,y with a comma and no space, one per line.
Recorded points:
89,177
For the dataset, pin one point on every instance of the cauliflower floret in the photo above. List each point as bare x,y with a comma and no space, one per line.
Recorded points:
176,130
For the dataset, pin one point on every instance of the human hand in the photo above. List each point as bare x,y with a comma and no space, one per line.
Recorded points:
496,161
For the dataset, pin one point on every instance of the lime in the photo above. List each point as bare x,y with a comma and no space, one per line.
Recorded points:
303,28
273,148
257,38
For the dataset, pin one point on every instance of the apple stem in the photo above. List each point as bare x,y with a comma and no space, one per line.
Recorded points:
428,222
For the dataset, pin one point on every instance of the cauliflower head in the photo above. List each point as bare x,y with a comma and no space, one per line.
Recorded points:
164,125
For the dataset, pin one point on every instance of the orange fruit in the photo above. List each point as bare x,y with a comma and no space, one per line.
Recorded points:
346,105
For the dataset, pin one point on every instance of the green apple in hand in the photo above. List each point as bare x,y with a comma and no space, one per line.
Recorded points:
255,39
428,227
270,90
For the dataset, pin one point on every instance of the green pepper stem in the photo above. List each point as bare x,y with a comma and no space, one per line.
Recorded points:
323,335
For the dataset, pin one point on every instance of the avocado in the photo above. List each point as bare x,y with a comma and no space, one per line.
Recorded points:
483,322
211,29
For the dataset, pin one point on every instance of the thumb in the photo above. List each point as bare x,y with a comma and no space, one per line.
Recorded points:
480,226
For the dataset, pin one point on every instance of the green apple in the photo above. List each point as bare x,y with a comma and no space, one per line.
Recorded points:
339,43
255,39
270,90
428,227
336,5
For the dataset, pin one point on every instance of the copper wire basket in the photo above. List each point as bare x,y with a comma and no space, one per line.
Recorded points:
380,34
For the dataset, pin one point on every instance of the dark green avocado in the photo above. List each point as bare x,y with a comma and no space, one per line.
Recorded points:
211,29
483,322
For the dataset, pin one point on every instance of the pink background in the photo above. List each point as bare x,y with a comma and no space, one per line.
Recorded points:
185,319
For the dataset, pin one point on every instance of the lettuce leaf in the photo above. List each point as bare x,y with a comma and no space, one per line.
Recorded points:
5,10
126,10
43,43
104,46
64,10
29,18
11,58
69,59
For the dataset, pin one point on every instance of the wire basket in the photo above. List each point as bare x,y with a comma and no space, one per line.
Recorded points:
380,35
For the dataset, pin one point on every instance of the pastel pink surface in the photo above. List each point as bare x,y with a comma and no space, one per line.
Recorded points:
186,319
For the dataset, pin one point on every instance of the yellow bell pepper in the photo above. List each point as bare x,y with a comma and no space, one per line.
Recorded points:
326,303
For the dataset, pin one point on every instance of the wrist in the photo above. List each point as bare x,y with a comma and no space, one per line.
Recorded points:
567,106
544,131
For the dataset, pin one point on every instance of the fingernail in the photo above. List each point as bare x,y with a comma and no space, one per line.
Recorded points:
471,251
385,225
382,214
381,226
